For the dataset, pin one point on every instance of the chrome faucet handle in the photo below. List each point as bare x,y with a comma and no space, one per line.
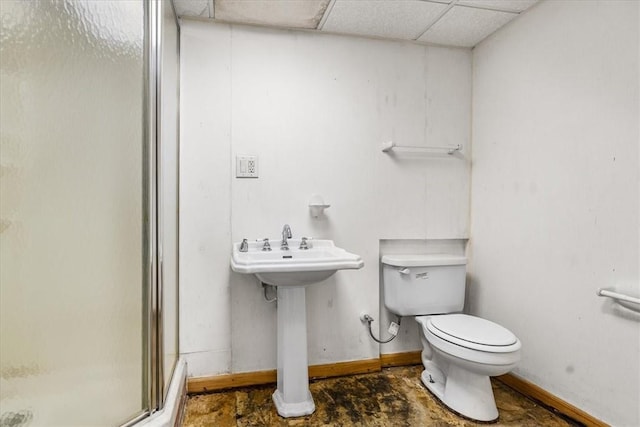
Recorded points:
286,234
244,246
303,244
266,246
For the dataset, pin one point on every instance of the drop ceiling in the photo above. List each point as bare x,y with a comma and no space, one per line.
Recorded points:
462,23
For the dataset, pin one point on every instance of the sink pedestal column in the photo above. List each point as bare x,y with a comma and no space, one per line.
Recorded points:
292,397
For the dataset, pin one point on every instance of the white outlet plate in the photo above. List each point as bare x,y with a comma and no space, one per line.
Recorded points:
393,328
246,166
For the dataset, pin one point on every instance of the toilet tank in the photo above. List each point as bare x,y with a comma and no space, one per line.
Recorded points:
423,284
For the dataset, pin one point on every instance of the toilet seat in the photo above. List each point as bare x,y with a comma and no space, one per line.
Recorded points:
473,333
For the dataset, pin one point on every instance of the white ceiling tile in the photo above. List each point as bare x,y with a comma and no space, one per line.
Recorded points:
198,8
400,19
503,5
465,26
282,13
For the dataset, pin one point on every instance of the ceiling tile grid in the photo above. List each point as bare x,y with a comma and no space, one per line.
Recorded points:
462,23
196,8
500,5
391,19
289,14
465,26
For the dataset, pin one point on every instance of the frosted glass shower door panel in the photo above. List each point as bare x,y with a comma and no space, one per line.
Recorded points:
71,230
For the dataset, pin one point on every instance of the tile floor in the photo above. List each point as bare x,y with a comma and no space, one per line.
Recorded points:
393,397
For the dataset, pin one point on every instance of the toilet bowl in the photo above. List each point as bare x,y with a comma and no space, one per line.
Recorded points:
460,353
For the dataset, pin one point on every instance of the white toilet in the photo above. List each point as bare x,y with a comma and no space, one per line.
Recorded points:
460,352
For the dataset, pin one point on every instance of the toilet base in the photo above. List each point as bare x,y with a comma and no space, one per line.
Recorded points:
464,392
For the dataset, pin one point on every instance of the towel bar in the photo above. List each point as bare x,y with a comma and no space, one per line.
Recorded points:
391,146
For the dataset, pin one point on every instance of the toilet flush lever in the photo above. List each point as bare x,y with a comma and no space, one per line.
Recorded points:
404,271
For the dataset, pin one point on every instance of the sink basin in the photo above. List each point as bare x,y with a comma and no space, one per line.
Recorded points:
291,271
295,267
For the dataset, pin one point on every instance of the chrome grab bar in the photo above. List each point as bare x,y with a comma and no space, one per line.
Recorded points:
627,301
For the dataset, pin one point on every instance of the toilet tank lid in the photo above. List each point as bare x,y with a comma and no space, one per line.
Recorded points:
417,260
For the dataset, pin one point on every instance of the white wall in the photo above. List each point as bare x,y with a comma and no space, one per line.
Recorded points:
555,198
315,109
205,194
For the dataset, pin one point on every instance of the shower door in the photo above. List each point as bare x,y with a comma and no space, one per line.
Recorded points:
75,217
168,153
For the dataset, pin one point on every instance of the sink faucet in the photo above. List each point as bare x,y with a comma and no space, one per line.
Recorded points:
286,234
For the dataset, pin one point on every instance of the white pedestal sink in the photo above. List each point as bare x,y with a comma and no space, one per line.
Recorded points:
291,271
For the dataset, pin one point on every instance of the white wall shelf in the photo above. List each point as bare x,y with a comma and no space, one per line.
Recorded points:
391,146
